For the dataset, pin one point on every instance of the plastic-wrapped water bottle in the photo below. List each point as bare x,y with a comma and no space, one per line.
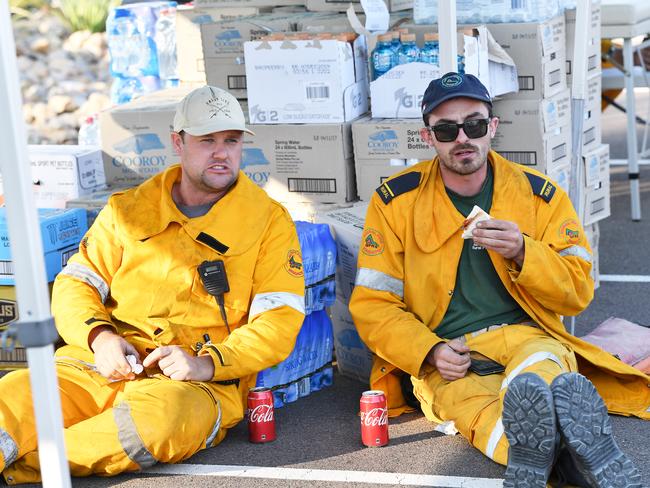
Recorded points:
121,34
383,57
430,52
425,11
126,89
395,43
408,52
165,40
89,132
460,60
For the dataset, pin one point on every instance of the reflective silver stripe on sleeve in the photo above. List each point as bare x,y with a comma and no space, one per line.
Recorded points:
87,275
129,437
215,429
648,410
530,360
8,448
376,280
268,301
494,439
577,251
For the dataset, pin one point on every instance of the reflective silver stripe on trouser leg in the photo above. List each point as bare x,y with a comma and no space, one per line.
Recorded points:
215,429
8,448
497,431
129,437
376,280
87,275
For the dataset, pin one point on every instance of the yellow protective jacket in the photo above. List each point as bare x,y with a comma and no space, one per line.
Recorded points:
136,271
408,260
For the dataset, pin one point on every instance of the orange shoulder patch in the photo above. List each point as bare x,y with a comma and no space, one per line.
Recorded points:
294,263
372,242
570,231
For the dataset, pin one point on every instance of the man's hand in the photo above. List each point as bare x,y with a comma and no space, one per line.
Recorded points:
177,364
450,359
110,355
501,236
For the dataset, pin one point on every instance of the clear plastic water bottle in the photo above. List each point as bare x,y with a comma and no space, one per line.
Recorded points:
408,52
430,52
89,132
165,41
382,56
395,43
124,90
460,59
120,28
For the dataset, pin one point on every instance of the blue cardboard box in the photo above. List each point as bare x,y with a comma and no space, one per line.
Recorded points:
61,230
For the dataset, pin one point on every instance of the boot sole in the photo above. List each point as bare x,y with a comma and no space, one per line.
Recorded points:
529,424
584,424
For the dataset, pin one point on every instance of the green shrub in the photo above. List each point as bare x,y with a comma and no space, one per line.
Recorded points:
22,8
87,14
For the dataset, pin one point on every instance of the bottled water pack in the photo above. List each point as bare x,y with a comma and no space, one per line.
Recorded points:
489,11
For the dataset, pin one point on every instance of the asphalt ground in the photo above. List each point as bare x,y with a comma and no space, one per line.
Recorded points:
319,436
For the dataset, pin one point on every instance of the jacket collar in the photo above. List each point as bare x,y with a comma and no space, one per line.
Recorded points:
436,219
236,220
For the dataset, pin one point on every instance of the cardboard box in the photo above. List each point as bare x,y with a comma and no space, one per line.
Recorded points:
539,52
302,163
136,137
61,231
245,3
93,203
346,226
383,147
353,358
596,166
342,5
591,124
594,64
562,176
398,93
61,173
311,81
189,50
223,47
535,133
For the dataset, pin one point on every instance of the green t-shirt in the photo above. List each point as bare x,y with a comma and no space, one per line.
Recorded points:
479,298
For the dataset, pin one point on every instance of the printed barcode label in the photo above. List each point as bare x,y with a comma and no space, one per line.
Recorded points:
18,355
589,136
65,256
6,268
529,158
554,77
597,206
592,62
237,82
526,82
317,92
518,4
312,185
558,152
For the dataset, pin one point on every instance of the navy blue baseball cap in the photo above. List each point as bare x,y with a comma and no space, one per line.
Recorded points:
453,85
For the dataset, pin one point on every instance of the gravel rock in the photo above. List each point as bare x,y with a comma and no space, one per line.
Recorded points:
64,76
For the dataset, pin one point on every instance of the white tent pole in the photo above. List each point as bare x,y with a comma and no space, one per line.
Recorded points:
578,89
35,328
447,36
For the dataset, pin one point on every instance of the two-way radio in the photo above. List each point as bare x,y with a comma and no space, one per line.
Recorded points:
214,279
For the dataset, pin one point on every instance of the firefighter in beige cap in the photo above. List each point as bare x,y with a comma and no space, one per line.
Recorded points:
155,366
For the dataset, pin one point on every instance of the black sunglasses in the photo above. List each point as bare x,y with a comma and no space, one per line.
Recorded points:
473,129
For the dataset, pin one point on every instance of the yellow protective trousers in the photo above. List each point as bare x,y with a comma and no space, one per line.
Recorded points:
475,402
112,427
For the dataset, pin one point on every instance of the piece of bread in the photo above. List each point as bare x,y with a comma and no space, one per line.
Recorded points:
475,216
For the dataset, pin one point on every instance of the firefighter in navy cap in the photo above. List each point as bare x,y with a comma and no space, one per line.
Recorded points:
468,329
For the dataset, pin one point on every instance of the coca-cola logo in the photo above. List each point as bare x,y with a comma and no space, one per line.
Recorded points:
375,417
261,414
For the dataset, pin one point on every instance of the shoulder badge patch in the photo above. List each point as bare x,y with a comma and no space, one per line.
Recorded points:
294,263
541,187
392,188
570,231
372,242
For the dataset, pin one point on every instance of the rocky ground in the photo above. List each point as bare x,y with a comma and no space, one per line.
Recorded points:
64,76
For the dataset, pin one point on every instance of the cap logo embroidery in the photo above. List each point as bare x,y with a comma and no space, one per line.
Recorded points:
219,106
451,81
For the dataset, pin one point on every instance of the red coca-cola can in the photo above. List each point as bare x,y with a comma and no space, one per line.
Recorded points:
261,422
374,418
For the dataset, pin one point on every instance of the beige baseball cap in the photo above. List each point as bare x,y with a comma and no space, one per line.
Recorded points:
209,109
